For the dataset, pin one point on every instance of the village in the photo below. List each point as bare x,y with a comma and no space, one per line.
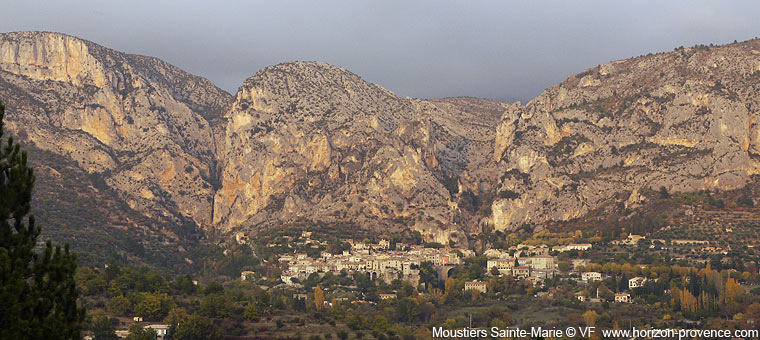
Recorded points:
530,263
377,261
306,272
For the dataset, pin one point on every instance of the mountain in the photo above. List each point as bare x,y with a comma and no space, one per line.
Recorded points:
137,131
147,157
683,121
308,142
138,158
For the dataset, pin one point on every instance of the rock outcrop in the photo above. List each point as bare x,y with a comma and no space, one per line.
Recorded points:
685,120
300,142
307,142
143,125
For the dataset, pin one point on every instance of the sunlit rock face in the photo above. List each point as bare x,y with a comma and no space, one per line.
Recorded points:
308,141
300,142
685,120
144,126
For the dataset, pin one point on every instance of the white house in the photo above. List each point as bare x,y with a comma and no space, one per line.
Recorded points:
591,276
467,253
574,246
246,275
636,282
623,298
160,329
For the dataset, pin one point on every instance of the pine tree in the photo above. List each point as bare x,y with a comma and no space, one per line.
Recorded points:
38,295
622,284
194,328
138,332
103,328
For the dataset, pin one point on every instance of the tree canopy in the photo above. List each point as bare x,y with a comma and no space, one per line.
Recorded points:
38,295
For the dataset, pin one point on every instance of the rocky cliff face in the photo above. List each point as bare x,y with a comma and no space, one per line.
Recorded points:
300,142
123,145
143,125
685,120
307,142
313,142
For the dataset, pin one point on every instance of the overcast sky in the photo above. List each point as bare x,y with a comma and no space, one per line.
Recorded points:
492,49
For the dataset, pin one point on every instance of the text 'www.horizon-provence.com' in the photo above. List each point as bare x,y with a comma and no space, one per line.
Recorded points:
586,332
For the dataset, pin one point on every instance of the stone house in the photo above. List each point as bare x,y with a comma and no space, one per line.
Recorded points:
479,286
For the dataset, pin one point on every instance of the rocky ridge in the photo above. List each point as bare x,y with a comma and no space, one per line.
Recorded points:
300,142
308,142
137,125
684,121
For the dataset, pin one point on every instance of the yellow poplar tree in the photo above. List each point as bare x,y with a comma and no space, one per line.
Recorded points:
449,286
732,290
319,298
590,318
688,301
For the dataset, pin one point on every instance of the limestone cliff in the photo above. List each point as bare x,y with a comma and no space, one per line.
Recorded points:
139,125
313,142
685,120
307,142
300,142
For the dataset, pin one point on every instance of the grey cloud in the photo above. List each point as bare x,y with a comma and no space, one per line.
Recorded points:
492,49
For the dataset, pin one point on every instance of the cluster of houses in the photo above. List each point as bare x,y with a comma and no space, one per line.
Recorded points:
621,297
527,262
532,263
690,250
631,240
376,260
